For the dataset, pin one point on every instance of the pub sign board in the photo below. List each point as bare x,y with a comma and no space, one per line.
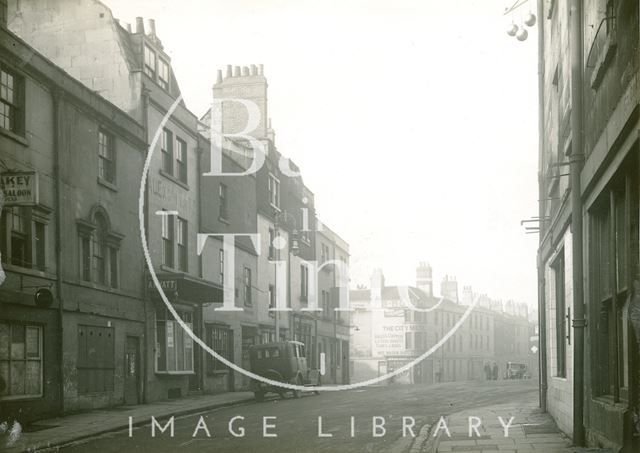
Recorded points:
19,188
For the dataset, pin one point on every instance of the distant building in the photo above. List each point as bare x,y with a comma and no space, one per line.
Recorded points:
394,335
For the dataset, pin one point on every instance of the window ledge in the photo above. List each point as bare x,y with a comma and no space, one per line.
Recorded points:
21,397
27,271
175,373
167,268
218,372
182,184
607,400
13,136
107,184
100,287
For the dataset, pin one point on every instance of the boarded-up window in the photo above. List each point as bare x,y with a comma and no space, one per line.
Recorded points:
96,361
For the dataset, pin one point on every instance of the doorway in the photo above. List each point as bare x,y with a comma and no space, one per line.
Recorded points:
132,371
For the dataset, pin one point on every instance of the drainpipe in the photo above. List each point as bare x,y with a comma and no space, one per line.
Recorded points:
576,161
57,165
542,329
542,336
145,294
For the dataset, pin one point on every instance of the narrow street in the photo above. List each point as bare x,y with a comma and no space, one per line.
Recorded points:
296,420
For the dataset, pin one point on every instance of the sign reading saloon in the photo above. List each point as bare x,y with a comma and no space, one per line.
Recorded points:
20,188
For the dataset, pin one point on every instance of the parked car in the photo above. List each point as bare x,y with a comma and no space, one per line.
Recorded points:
283,361
516,370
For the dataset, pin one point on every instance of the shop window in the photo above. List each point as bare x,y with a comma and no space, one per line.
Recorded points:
20,360
613,256
174,347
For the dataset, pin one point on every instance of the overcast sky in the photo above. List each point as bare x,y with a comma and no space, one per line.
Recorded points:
414,122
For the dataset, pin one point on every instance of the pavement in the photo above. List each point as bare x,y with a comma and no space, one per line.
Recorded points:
530,431
55,432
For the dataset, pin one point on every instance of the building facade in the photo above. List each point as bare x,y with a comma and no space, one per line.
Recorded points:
107,100
72,318
589,227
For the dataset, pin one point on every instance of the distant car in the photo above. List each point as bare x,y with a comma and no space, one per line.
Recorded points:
516,370
283,361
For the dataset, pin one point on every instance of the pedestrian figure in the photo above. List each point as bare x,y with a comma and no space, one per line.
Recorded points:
495,371
487,371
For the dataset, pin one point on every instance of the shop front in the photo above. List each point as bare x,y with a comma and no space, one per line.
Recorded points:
176,365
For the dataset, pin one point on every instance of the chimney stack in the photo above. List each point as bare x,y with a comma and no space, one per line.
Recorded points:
229,71
139,25
152,27
219,78
245,70
377,285
128,27
254,70
261,69
236,71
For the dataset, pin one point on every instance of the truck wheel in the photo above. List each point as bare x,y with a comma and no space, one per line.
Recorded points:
259,396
